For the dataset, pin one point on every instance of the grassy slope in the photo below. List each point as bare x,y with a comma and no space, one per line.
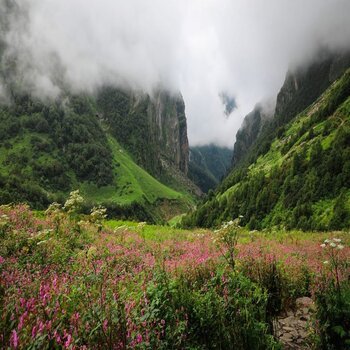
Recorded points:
133,184
46,151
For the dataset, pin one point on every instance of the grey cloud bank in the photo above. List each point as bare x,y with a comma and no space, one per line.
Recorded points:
200,47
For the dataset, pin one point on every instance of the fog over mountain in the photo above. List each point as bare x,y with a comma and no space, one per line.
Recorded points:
203,48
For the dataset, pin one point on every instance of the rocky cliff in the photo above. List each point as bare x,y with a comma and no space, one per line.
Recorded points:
302,86
152,128
251,129
208,165
294,176
167,112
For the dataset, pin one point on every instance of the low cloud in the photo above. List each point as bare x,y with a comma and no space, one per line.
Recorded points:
200,47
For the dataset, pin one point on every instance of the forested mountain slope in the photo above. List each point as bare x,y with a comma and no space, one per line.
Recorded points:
302,178
46,150
208,165
302,86
126,149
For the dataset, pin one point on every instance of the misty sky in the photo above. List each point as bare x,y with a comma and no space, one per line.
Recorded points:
201,47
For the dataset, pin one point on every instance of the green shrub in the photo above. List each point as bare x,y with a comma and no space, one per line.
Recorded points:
333,299
220,311
333,317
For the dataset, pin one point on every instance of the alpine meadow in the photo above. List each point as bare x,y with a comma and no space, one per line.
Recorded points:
175,174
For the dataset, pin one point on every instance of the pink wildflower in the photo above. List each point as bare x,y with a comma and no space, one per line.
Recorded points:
57,337
139,338
34,331
68,341
105,324
14,339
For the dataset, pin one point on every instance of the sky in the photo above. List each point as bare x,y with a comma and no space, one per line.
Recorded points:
202,48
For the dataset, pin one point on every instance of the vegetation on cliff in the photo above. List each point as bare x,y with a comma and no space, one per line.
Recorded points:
208,165
298,179
47,149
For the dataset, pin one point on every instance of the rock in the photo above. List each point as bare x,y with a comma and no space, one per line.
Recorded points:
302,323
305,310
286,337
304,302
303,334
290,320
292,331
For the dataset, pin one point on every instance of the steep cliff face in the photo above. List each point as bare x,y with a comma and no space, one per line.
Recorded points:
302,86
251,129
153,129
168,114
208,165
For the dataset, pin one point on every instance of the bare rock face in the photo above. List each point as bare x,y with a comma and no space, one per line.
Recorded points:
249,132
293,329
167,112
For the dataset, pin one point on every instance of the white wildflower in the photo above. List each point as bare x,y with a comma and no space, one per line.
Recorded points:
323,245
333,245
53,208
98,214
340,247
74,201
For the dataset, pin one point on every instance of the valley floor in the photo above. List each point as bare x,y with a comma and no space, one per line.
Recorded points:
74,282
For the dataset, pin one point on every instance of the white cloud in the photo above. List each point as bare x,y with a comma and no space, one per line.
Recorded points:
201,47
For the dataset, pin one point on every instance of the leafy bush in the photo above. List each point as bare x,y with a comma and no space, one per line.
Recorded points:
333,300
224,311
333,316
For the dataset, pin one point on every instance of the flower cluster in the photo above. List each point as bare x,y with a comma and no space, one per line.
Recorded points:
97,215
78,291
74,202
334,243
227,239
53,209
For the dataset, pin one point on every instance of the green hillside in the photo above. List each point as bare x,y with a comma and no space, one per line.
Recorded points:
132,183
302,180
46,150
